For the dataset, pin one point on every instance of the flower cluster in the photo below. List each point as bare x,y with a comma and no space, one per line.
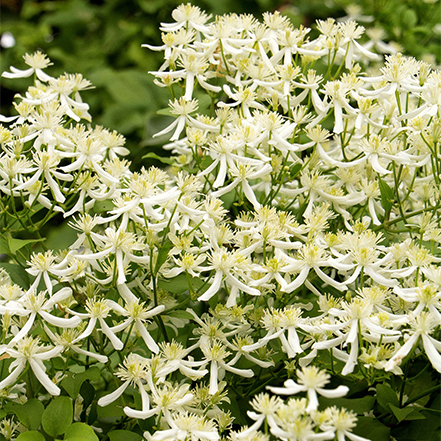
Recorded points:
297,226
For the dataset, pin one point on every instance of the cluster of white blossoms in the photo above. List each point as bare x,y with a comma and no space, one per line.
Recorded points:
299,223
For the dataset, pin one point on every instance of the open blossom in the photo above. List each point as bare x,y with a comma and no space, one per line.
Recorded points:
97,311
167,399
43,264
342,422
187,16
215,354
174,354
356,317
29,350
310,256
183,107
277,323
37,62
265,407
46,164
422,326
33,305
138,314
242,174
67,338
223,263
183,425
133,372
312,381
195,67
121,244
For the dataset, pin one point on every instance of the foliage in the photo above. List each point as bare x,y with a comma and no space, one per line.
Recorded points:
278,279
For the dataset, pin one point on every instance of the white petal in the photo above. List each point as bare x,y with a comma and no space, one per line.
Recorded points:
298,281
100,358
340,391
23,331
17,73
61,322
151,344
52,388
214,288
107,399
401,353
116,342
213,378
432,353
87,331
291,388
10,379
313,400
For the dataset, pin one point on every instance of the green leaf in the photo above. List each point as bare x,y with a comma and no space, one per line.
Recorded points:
29,413
87,391
358,405
179,284
410,19
421,430
61,237
127,87
58,416
180,314
295,170
164,160
206,161
407,413
4,246
163,255
103,206
165,111
228,199
387,195
92,413
113,410
386,396
372,429
236,408
124,435
16,244
80,431
17,274
72,383
31,436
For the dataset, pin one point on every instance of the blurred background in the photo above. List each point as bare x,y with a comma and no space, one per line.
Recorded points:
102,41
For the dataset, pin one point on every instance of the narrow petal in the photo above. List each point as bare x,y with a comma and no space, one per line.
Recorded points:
61,322
432,353
213,378
42,377
100,358
116,342
290,388
151,344
340,391
12,377
214,288
401,353
23,331
104,401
